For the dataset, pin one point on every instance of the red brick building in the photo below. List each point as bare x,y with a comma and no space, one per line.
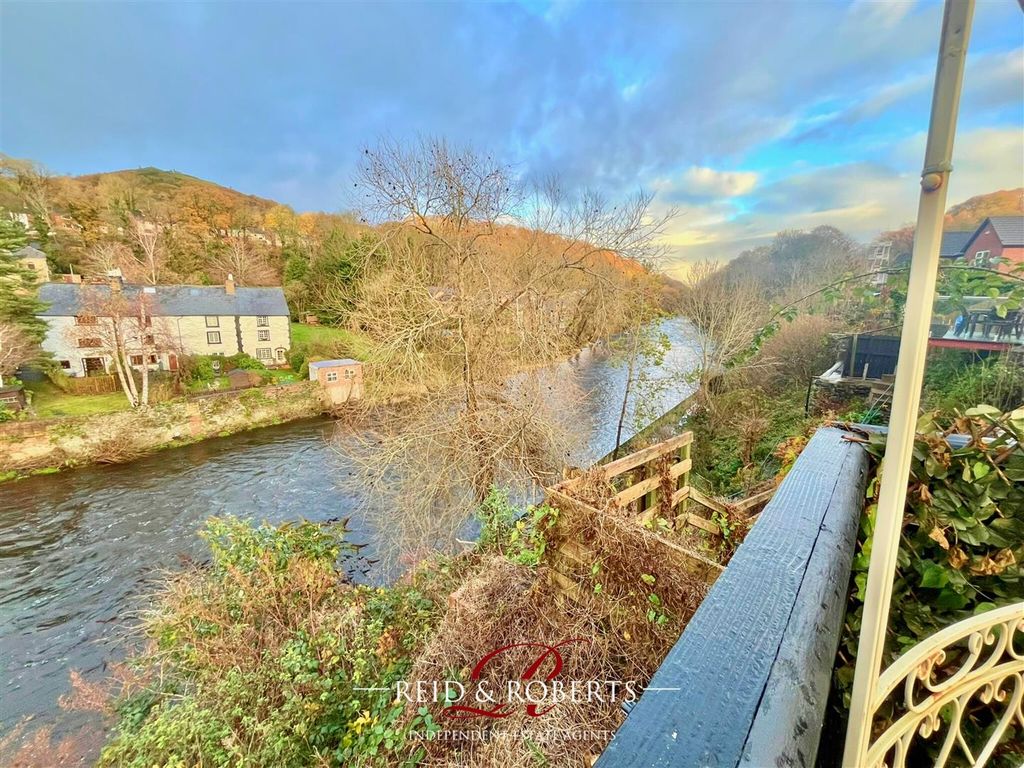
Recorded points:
997,237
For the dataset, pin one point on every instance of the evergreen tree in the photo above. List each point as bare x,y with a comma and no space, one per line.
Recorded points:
19,303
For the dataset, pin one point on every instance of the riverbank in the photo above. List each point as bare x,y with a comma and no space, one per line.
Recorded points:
50,445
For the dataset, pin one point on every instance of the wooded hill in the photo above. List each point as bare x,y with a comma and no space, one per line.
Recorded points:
970,213
199,231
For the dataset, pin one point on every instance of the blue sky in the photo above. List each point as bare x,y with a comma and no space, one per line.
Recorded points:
750,117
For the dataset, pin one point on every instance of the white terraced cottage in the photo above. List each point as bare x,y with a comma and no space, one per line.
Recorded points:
187,319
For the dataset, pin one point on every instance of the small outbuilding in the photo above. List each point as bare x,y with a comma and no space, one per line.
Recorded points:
243,379
12,397
341,380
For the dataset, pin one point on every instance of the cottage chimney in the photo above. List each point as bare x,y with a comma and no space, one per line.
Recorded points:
229,285
115,280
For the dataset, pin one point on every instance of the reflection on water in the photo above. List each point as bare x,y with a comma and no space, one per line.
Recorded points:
78,549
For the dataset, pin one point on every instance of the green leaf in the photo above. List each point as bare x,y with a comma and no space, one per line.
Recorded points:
934,576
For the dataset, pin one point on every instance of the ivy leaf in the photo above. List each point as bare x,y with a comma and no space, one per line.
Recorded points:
934,576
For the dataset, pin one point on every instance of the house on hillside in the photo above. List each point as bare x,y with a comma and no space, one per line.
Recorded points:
997,237
178,320
34,259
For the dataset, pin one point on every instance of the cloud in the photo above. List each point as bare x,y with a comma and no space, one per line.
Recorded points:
860,198
702,102
711,183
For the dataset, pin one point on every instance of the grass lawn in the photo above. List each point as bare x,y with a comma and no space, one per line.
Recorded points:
218,384
350,343
283,377
48,401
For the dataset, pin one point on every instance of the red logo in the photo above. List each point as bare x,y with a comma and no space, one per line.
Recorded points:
505,708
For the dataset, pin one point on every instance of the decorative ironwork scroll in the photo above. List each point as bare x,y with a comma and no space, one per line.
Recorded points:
977,661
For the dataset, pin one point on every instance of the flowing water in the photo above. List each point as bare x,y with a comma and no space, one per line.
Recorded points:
80,549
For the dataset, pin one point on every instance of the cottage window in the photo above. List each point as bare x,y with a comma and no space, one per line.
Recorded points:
213,337
212,321
136,359
264,353
262,321
981,258
350,373
332,376
88,342
85,320
263,335
65,364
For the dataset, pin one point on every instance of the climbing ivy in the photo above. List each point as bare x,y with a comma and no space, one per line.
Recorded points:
962,542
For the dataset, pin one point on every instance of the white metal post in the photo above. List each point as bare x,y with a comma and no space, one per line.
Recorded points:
906,398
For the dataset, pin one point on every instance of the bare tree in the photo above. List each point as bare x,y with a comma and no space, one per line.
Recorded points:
244,261
150,255
124,329
727,312
484,280
16,349
106,256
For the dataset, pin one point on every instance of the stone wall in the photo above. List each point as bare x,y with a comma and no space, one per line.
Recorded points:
122,436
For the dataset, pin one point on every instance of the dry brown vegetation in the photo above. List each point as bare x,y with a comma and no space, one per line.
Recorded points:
484,281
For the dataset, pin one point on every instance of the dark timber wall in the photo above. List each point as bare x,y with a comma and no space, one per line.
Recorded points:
753,666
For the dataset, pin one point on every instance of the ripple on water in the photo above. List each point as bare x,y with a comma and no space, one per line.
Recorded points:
78,550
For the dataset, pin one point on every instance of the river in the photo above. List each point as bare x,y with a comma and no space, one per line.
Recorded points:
80,549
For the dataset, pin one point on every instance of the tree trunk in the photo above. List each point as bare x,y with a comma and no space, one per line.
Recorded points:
145,356
125,386
625,395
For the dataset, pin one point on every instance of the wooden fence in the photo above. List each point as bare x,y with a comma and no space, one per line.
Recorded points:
656,480
748,680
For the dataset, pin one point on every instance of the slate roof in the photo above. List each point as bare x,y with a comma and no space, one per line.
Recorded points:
953,243
1009,229
68,299
29,251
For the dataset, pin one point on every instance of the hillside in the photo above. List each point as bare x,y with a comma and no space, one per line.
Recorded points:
152,186
970,213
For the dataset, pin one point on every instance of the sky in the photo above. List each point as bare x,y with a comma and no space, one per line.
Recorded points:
747,117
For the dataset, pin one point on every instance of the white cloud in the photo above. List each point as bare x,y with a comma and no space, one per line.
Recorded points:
862,199
709,182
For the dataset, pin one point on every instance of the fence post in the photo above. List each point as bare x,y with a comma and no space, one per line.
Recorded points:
684,479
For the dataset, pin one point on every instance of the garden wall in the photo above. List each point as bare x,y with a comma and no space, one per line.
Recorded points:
124,435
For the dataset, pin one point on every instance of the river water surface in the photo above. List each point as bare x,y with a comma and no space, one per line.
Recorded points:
80,549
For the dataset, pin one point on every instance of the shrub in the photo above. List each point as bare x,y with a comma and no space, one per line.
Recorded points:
197,368
799,351
952,384
243,361
57,377
517,535
263,659
296,358
962,543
